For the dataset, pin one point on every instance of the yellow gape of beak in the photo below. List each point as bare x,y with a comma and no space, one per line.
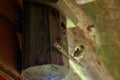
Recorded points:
78,51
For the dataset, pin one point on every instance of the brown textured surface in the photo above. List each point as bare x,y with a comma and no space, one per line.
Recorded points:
91,66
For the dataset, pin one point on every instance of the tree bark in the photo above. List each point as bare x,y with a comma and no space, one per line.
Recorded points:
92,67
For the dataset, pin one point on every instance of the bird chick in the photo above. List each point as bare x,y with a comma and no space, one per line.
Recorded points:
78,51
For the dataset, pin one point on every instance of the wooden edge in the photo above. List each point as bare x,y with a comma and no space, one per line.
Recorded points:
9,73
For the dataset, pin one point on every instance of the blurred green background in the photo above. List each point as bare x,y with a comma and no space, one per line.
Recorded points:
106,14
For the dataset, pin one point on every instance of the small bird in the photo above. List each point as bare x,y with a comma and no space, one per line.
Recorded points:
78,51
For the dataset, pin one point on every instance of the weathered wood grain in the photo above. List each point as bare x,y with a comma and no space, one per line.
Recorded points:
55,35
36,35
43,26
58,33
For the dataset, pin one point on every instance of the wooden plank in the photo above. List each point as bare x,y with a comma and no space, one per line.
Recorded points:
64,42
43,26
55,35
57,27
36,35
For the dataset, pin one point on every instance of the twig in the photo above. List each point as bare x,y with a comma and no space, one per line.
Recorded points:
65,53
